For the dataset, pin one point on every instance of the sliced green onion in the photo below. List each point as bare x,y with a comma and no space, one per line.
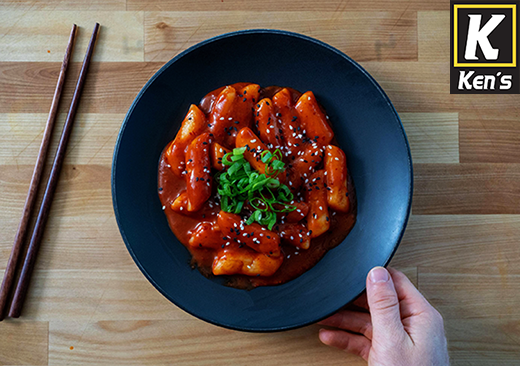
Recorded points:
240,184
239,150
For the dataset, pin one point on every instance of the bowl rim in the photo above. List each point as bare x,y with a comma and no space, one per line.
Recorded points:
165,67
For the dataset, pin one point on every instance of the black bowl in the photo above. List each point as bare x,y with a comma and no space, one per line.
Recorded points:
366,125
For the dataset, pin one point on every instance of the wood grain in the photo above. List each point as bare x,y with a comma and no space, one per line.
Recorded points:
184,342
92,139
433,29
461,241
457,292
111,87
433,137
335,6
412,87
81,222
483,342
362,35
29,36
425,87
24,343
481,330
77,243
98,294
76,5
445,189
487,137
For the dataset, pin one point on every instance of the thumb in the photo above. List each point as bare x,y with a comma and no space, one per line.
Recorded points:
384,305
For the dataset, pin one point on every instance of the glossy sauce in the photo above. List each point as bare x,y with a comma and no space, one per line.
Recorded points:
296,261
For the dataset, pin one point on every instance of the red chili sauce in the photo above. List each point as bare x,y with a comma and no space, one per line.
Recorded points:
296,260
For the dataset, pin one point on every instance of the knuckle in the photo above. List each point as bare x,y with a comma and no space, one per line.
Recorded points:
366,330
385,302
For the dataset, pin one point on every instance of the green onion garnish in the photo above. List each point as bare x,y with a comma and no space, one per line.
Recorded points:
240,184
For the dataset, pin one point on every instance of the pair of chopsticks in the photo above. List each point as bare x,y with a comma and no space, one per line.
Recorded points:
30,258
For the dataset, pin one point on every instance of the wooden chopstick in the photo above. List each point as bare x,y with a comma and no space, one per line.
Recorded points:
10,270
43,214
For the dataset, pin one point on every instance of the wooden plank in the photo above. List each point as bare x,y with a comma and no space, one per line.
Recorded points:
483,342
335,6
74,242
458,292
85,187
410,272
81,232
23,342
425,87
35,36
55,5
111,87
487,137
480,307
186,342
461,241
362,35
442,189
27,87
433,28
92,139
433,137
89,295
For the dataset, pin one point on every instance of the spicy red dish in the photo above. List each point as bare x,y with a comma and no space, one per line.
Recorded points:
255,186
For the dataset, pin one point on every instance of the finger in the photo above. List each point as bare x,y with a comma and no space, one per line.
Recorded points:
384,305
412,301
352,321
351,343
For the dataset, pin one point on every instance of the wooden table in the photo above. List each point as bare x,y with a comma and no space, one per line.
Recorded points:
89,303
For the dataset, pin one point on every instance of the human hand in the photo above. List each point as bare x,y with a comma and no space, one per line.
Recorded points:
402,329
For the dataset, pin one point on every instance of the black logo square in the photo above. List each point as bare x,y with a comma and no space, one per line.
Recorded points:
491,30
484,47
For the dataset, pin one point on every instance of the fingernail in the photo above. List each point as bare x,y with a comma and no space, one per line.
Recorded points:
323,336
378,274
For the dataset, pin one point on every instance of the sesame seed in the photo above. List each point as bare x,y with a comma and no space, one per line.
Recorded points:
221,118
